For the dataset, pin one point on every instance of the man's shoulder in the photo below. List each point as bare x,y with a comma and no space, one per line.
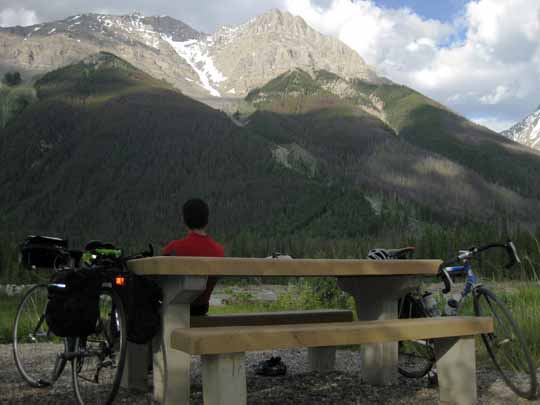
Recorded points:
220,250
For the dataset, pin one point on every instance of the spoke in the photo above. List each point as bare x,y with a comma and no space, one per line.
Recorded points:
503,343
40,322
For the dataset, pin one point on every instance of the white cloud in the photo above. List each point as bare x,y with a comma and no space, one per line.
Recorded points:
494,123
501,93
379,35
485,63
10,17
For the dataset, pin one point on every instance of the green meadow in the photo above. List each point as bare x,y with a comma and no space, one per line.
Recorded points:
522,299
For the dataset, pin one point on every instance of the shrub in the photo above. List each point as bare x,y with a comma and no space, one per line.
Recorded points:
12,78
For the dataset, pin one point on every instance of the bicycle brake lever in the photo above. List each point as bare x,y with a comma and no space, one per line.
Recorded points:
447,280
512,254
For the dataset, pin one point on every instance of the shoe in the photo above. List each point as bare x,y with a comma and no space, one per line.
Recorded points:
272,367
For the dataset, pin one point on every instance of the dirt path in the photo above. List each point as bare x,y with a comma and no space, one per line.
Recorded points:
298,387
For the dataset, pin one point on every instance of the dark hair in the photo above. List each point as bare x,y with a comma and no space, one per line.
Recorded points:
195,213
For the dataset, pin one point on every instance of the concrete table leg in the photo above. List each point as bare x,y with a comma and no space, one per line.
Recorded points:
456,370
170,367
376,298
224,379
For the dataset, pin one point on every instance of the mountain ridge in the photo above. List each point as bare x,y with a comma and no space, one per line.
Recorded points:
526,131
108,150
228,63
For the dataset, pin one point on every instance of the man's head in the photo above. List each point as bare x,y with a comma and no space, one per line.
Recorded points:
195,213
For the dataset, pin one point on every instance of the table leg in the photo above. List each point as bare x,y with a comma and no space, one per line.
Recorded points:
376,298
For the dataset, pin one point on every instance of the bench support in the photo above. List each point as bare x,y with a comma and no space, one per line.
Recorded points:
322,358
224,379
376,298
456,370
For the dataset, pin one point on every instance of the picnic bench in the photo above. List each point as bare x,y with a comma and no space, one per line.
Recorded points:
223,350
375,286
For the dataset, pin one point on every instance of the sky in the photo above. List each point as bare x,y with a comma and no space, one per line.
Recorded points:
481,58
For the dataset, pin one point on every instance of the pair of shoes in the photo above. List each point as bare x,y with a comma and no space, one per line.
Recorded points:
271,367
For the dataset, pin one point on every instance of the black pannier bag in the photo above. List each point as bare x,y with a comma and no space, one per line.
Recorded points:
142,302
411,306
73,306
44,252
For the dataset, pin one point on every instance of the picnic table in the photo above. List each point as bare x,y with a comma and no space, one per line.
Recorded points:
375,286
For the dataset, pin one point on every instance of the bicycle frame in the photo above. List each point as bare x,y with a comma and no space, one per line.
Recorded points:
471,282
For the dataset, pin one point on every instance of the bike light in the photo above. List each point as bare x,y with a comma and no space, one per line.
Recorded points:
120,281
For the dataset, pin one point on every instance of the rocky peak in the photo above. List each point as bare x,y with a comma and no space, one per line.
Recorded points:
229,63
279,21
527,131
249,55
173,28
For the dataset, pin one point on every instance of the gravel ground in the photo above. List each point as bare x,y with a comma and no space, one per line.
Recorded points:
299,386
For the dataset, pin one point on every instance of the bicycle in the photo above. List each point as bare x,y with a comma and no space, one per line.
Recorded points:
96,358
506,346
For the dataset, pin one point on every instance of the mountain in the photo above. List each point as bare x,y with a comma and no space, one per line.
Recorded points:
37,49
389,138
527,131
314,144
235,60
228,63
108,150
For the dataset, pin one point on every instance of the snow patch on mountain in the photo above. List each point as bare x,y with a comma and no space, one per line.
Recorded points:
132,24
195,53
526,131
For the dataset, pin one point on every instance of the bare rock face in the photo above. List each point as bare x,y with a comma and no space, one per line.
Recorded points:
250,55
38,49
227,64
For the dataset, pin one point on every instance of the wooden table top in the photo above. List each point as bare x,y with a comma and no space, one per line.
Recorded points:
257,267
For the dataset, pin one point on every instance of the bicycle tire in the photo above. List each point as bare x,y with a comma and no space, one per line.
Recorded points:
504,323
417,357
31,334
101,351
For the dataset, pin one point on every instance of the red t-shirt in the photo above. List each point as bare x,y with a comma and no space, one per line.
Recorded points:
197,245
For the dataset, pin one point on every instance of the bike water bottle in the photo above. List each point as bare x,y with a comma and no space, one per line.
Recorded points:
430,304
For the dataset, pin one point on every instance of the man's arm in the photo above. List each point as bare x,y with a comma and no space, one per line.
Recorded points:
170,250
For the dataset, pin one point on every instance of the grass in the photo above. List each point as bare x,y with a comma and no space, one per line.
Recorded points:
522,299
8,308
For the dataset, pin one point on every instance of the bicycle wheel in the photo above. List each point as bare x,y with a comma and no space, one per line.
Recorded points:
98,365
415,357
36,350
506,345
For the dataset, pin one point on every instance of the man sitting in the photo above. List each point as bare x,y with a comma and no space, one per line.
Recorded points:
197,243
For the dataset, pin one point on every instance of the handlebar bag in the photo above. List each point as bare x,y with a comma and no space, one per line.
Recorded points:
44,252
73,305
411,306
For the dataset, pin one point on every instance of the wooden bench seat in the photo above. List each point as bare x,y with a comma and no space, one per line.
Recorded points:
223,349
318,358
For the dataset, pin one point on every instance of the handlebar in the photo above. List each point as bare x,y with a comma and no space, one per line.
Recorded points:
464,255
107,262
